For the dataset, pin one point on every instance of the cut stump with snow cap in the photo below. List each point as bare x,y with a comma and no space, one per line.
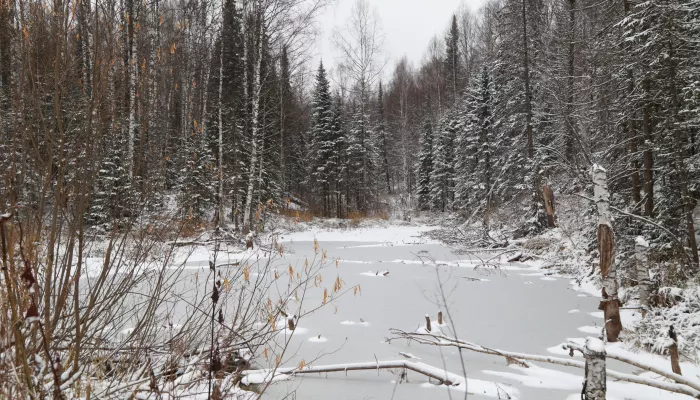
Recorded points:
595,384
249,240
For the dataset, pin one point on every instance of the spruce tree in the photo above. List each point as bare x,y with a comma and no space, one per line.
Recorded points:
453,63
322,143
474,182
425,166
382,144
111,199
443,172
197,174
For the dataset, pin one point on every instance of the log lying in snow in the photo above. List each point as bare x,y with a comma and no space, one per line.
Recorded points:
681,383
445,377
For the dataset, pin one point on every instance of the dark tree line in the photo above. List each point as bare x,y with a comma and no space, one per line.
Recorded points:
113,109
543,90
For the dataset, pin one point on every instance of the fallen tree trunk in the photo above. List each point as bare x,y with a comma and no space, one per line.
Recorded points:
681,384
445,377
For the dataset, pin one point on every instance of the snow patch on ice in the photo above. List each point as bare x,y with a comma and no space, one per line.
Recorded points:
380,235
595,330
318,339
539,377
376,273
363,323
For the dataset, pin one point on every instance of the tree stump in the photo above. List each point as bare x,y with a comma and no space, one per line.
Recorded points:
594,385
439,317
427,323
673,351
610,304
548,195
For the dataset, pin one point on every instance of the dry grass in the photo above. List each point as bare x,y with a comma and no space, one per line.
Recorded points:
299,215
355,217
190,227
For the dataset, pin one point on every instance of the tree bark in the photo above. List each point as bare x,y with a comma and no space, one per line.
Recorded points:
570,84
642,270
673,350
548,195
648,157
220,217
255,97
610,304
594,387
528,94
132,67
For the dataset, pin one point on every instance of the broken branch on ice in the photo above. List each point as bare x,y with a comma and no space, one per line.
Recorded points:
681,384
445,377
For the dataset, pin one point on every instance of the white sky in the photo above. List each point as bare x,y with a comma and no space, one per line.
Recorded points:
408,26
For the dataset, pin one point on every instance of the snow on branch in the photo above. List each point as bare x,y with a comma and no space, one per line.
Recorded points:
444,377
441,375
681,384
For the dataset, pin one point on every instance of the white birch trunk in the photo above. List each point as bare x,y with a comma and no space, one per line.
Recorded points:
283,172
133,71
642,268
610,303
601,196
220,219
594,385
254,130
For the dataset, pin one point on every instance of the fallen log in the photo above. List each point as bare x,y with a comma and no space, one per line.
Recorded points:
445,377
681,384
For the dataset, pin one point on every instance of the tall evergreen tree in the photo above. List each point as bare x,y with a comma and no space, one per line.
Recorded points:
381,136
425,166
454,75
474,161
322,141
442,176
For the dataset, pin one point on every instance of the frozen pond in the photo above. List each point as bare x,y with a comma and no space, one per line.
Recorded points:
515,310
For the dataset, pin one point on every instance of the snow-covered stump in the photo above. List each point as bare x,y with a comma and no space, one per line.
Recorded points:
641,247
427,323
594,385
249,240
610,304
439,317
673,351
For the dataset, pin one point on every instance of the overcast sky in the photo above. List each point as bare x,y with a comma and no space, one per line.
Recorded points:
408,26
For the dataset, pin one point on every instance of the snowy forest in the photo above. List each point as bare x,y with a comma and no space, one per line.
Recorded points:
163,163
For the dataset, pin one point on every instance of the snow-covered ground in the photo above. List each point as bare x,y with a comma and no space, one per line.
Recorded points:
400,275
